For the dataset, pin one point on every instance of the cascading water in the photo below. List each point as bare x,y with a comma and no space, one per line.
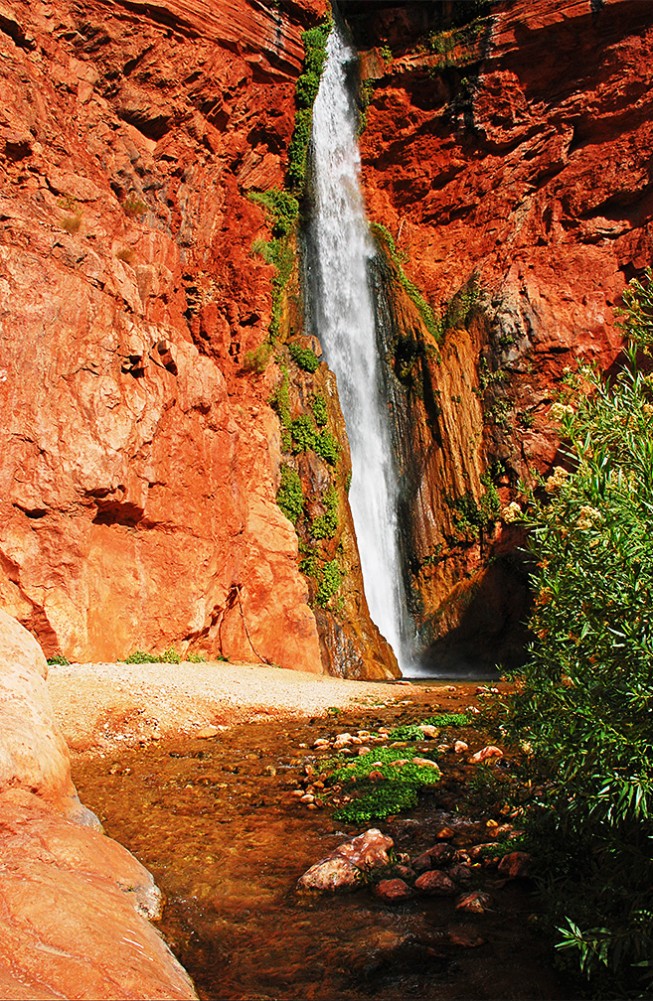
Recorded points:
344,317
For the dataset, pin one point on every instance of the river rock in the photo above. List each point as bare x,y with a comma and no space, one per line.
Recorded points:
344,868
393,891
486,752
515,865
435,884
476,902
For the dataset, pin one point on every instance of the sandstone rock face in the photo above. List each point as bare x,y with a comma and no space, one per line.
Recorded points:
509,160
140,463
73,903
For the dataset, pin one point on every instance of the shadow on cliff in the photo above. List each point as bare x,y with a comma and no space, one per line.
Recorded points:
491,633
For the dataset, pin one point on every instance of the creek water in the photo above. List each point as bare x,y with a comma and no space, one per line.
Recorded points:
215,821
341,249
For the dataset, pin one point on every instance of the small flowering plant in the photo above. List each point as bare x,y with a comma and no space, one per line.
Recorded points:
584,701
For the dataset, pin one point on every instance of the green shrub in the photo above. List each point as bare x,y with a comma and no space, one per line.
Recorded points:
303,434
58,660
304,357
326,446
258,359
325,525
282,207
585,702
330,580
195,658
280,399
319,410
385,239
290,496
170,656
315,40
142,657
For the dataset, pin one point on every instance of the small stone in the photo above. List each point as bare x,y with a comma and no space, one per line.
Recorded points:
441,854
307,798
476,902
460,746
516,865
298,793
376,776
425,763
450,688
405,872
430,732
445,833
206,732
459,873
363,749
423,862
486,752
334,875
321,742
435,884
393,891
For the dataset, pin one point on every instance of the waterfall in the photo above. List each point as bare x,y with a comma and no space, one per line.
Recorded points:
344,318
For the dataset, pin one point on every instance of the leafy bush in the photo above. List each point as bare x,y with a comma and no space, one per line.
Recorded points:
304,357
257,360
330,579
326,446
325,525
169,656
281,255
585,700
58,661
282,207
303,433
319,410
290,496
315,40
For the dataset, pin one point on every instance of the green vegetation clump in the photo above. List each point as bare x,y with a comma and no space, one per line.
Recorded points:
196,658
58,660
257,360
409,731
304,357
325,525
303,433
315,40
283,209
169,656
319,410
472,518
281,255
330,578
394,787
585,698
327,447
429,318
290,496
448,719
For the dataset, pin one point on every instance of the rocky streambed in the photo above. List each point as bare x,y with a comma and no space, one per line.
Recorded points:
229,824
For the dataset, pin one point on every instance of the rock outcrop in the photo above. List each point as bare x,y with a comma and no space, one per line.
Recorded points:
507,154
140,456
73,904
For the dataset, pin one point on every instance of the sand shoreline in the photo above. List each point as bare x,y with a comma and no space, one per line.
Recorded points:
100,705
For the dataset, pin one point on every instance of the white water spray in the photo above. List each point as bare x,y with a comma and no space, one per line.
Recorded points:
344,314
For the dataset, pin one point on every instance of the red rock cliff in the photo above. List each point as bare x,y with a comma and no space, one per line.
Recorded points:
139,463
510,158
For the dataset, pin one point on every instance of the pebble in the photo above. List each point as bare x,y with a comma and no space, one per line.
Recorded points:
435,884
476,902
424,762
486,752
393,891
460,747
206,732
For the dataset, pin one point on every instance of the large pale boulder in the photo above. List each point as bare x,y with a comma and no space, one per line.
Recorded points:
73,904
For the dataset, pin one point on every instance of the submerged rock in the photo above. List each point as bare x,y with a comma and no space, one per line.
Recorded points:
393,891
345,867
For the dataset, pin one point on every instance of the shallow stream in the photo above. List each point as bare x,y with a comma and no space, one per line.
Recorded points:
215,821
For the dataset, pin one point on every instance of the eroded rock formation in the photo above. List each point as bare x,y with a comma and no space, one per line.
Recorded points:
508,155
73,904
140,461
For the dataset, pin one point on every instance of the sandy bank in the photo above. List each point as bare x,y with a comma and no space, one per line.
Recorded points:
99,704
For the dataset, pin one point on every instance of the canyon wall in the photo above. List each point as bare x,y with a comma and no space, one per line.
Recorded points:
507,154
140,457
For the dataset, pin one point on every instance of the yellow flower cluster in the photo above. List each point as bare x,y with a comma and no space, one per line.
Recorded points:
560,410
557,478
511,513
588,517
